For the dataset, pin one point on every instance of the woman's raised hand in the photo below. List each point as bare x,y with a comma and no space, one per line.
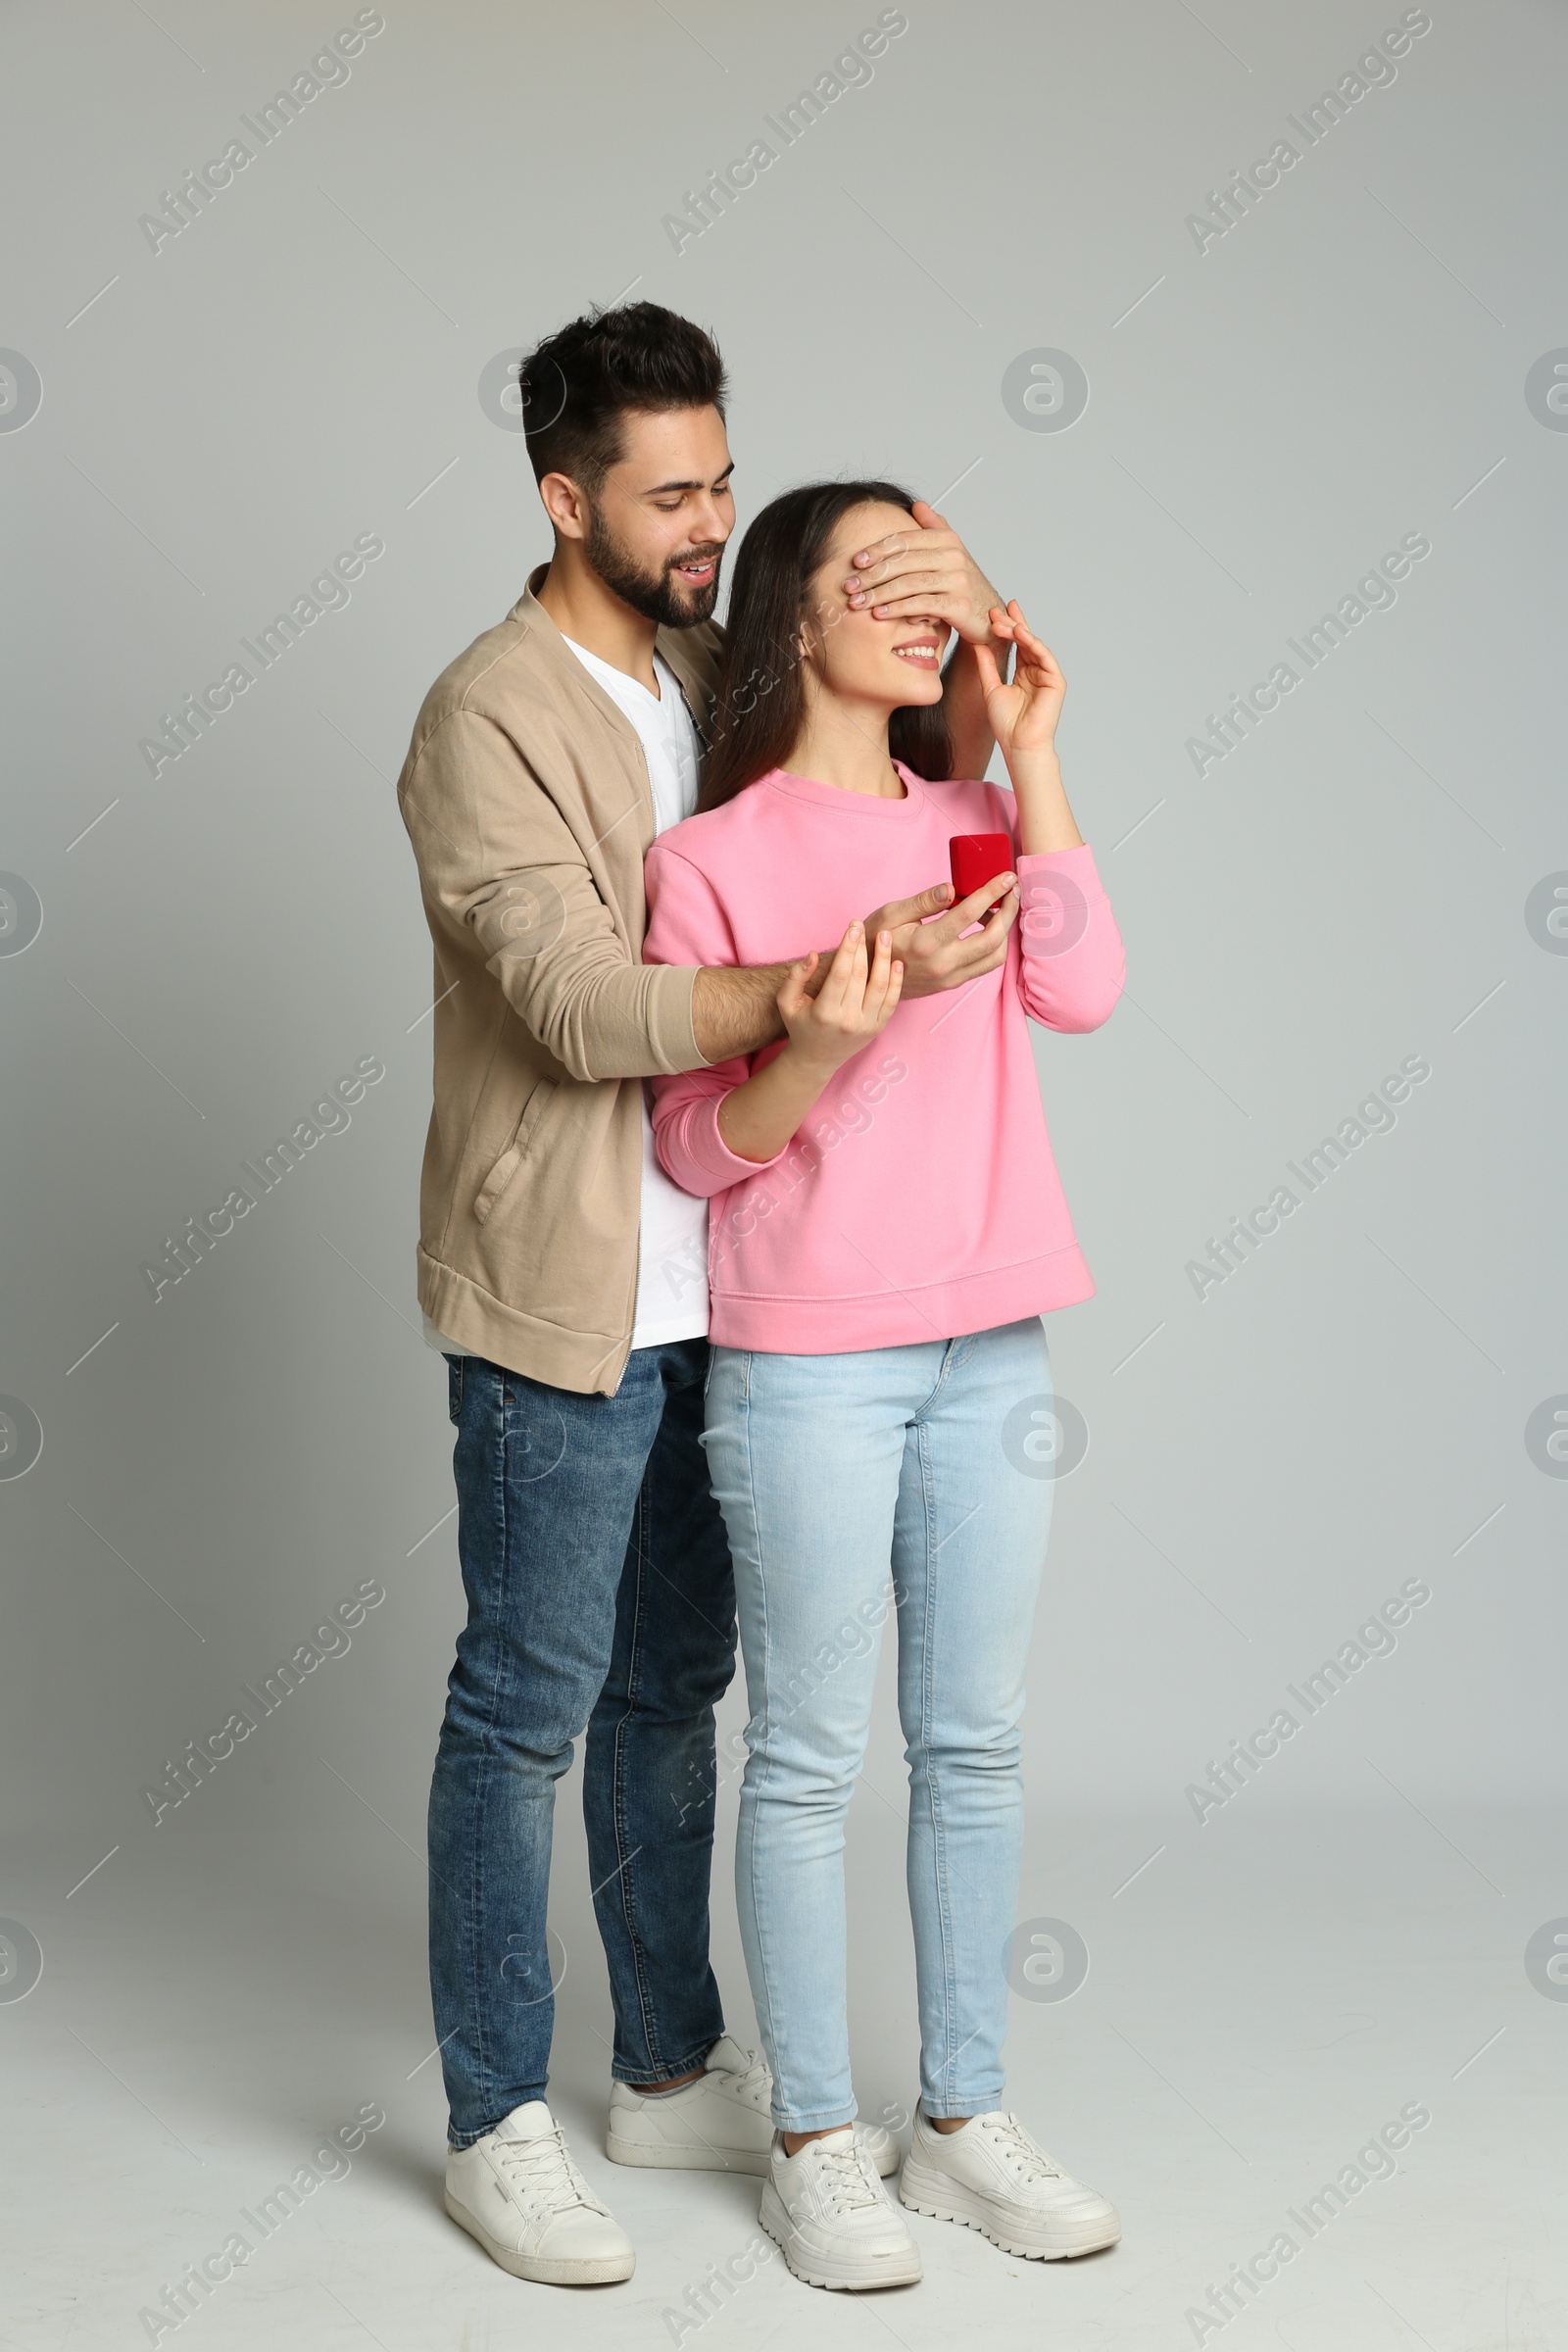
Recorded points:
1024,712
854,1004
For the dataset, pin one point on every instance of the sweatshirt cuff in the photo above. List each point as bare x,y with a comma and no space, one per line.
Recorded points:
709,1151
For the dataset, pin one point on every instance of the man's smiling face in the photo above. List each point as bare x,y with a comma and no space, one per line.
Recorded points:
658,522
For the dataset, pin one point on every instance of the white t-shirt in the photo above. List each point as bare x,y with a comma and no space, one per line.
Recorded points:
672,1254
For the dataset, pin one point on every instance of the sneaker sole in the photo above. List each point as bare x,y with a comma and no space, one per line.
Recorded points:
862,2278
545,2269
940,2201
662,2156
668,2157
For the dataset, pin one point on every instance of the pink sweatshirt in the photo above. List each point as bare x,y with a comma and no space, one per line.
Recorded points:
919,1197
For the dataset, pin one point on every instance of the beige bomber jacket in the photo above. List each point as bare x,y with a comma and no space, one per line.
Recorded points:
526,798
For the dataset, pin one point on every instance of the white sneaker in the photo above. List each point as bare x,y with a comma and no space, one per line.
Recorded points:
993,2175
722,2123
518,2193
828,2211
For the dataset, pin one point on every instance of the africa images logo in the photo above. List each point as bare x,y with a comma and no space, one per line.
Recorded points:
20,391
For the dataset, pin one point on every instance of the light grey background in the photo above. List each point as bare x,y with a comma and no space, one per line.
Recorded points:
1347,888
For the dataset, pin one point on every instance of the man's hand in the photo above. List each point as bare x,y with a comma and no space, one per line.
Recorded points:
735,1007
930,573
925,572
934,954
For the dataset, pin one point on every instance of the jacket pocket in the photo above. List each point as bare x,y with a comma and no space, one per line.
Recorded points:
516,1153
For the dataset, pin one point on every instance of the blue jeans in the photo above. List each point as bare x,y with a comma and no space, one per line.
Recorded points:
830,1471
600,1597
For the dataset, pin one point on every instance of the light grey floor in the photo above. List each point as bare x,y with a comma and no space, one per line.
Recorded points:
1262,1999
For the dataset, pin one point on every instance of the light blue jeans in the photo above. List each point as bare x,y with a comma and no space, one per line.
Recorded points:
833,1471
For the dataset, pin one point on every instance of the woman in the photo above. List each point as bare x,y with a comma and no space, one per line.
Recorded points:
887,1228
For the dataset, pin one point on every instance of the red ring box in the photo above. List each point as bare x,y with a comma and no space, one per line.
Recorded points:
977,859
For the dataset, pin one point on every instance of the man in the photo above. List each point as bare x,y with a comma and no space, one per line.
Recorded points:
564,1276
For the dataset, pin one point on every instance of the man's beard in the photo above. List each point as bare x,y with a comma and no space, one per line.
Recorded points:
659,596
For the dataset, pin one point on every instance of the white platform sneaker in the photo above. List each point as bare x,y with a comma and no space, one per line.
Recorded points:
518,2193
993,2175
827,2210
719,2124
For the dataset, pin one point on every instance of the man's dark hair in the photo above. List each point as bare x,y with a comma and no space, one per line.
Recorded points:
582,379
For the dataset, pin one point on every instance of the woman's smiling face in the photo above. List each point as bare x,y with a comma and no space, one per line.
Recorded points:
853,654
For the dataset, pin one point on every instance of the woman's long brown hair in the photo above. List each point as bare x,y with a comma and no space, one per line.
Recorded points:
762,698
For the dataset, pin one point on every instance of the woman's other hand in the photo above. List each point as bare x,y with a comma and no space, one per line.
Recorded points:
853,1002
1023,712
1023,715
